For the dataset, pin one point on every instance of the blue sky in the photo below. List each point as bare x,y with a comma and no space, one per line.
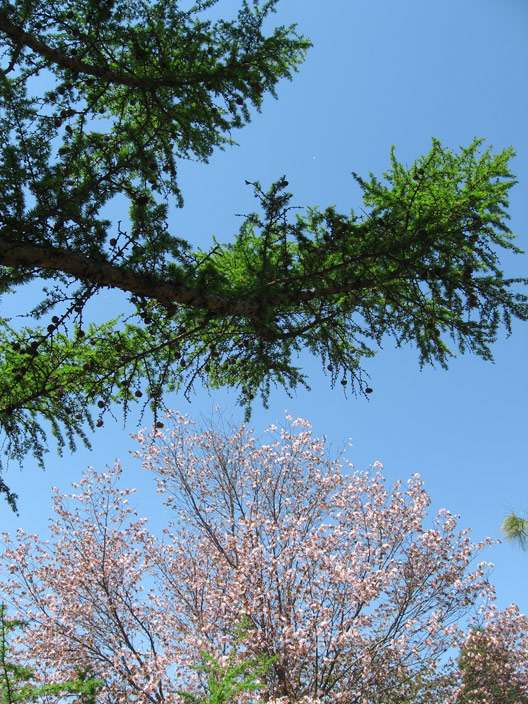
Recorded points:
380,73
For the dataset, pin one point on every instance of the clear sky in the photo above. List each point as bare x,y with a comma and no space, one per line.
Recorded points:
380,73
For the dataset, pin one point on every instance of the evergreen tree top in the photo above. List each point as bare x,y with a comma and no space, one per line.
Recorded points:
100,101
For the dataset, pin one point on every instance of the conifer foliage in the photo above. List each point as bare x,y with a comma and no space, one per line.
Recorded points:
99,100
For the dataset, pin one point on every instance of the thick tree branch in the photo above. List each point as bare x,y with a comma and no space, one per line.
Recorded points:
17,35
21,254
16,253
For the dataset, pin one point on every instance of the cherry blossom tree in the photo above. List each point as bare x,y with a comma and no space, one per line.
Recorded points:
494,661
16,684
345,586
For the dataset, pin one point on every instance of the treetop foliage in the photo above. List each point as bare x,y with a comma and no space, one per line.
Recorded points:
515,528
99,101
